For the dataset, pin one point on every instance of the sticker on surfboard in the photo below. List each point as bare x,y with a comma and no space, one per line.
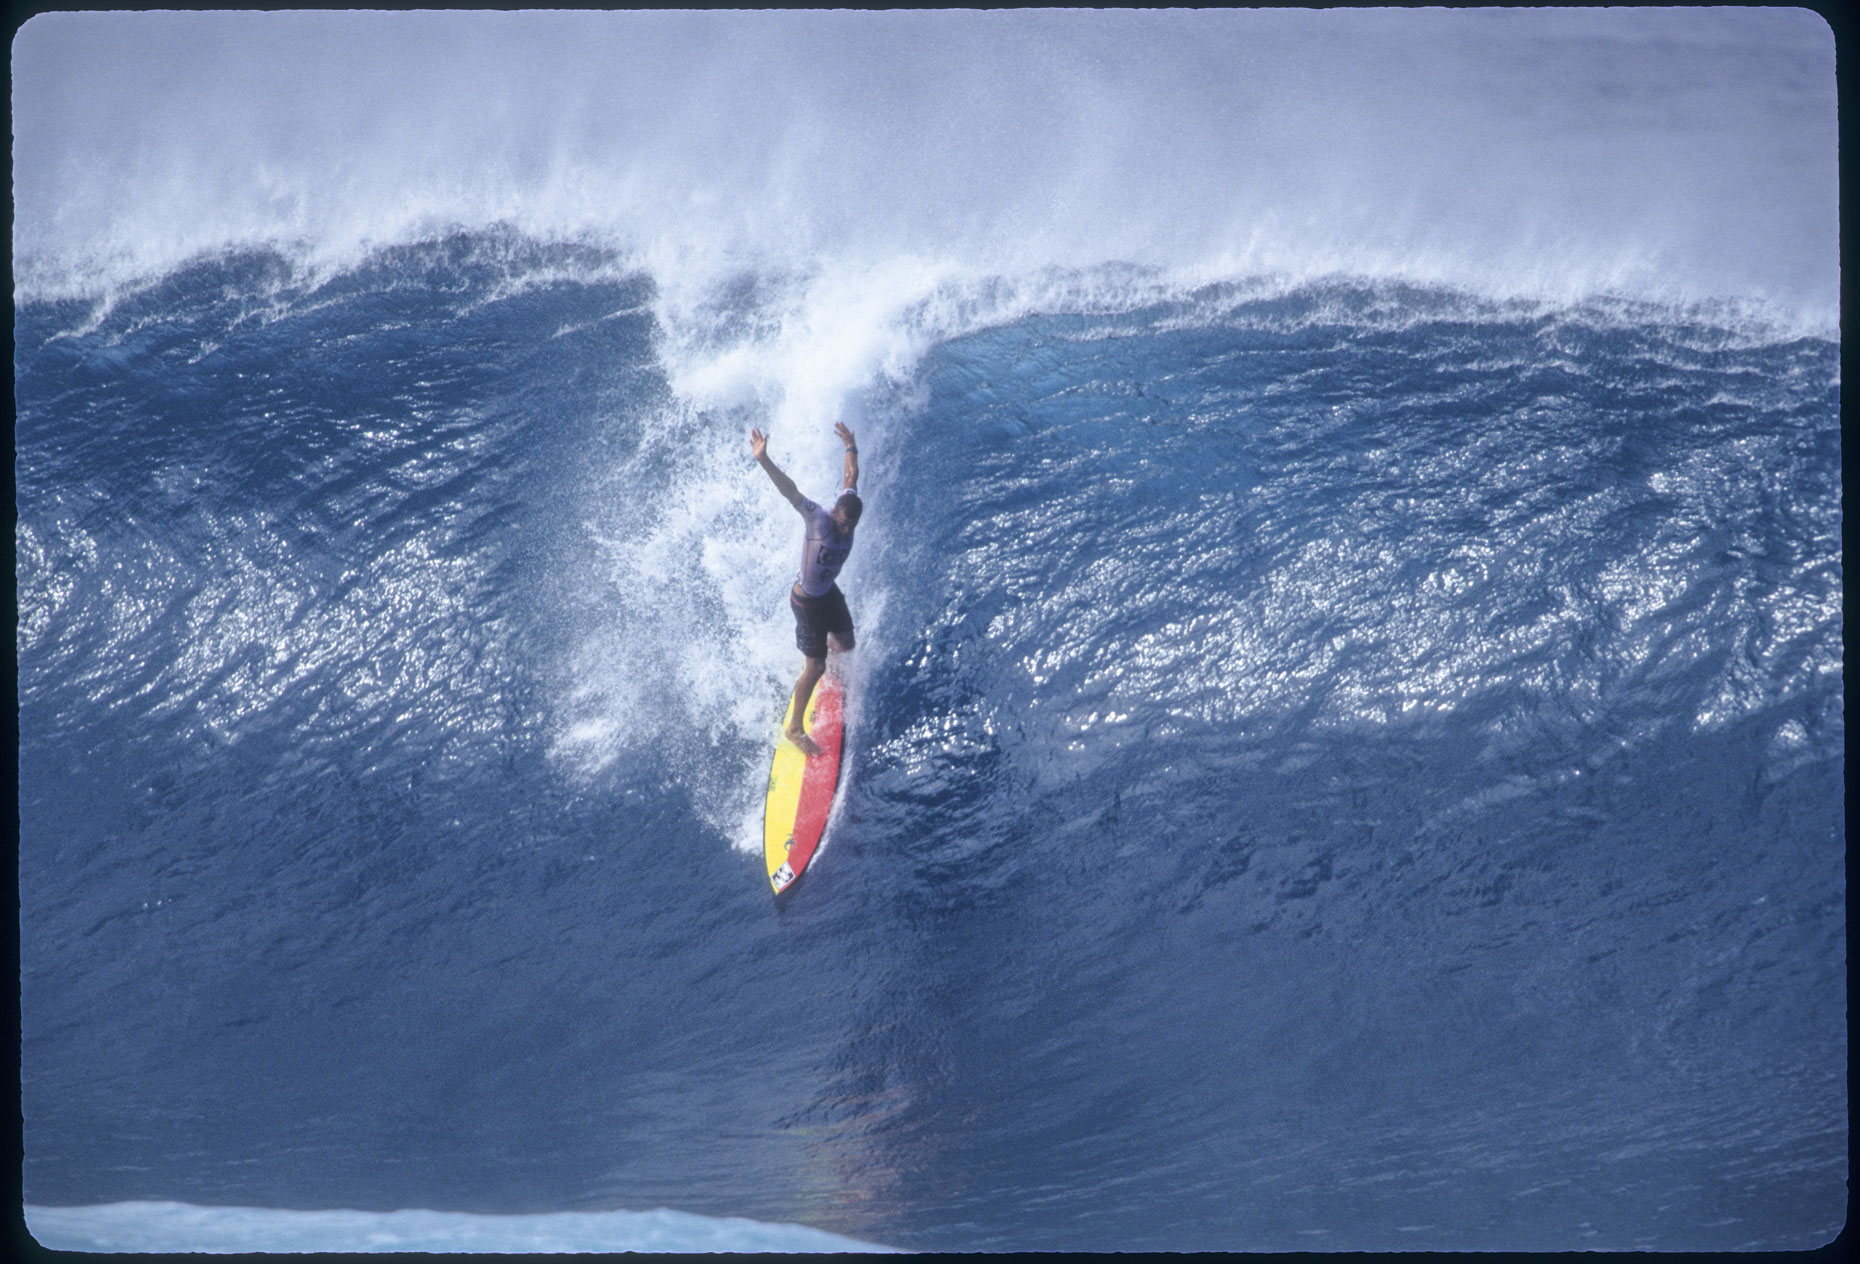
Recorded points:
801,787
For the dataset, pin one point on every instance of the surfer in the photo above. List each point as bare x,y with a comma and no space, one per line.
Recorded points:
820,613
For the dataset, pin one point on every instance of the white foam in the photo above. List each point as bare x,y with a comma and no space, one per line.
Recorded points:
688,652
181,1227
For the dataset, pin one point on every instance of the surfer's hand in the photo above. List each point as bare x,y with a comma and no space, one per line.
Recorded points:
846,436
758,443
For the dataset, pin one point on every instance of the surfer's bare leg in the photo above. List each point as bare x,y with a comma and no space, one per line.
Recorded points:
803,693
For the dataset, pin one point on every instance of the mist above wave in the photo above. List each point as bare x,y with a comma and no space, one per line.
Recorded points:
1667,154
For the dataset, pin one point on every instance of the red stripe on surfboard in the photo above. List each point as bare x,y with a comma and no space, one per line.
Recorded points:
819,777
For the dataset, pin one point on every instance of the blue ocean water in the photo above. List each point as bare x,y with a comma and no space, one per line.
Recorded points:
1337,758
1356,762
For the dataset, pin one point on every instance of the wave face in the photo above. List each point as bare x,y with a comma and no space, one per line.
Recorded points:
1336,759
1346,765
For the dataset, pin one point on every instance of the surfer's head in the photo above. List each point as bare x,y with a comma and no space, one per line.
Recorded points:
846,511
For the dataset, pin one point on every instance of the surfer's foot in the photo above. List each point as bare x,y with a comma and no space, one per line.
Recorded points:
806,743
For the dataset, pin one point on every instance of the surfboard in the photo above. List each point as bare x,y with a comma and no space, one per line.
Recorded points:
801,787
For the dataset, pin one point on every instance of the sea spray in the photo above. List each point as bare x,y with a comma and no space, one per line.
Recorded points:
1503,150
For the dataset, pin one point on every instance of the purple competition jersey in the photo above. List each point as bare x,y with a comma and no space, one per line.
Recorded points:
823,552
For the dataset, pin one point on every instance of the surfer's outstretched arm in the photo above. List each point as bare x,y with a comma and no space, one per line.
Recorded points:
759,444
852,454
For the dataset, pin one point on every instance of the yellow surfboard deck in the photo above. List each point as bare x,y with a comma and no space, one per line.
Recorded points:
801,787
